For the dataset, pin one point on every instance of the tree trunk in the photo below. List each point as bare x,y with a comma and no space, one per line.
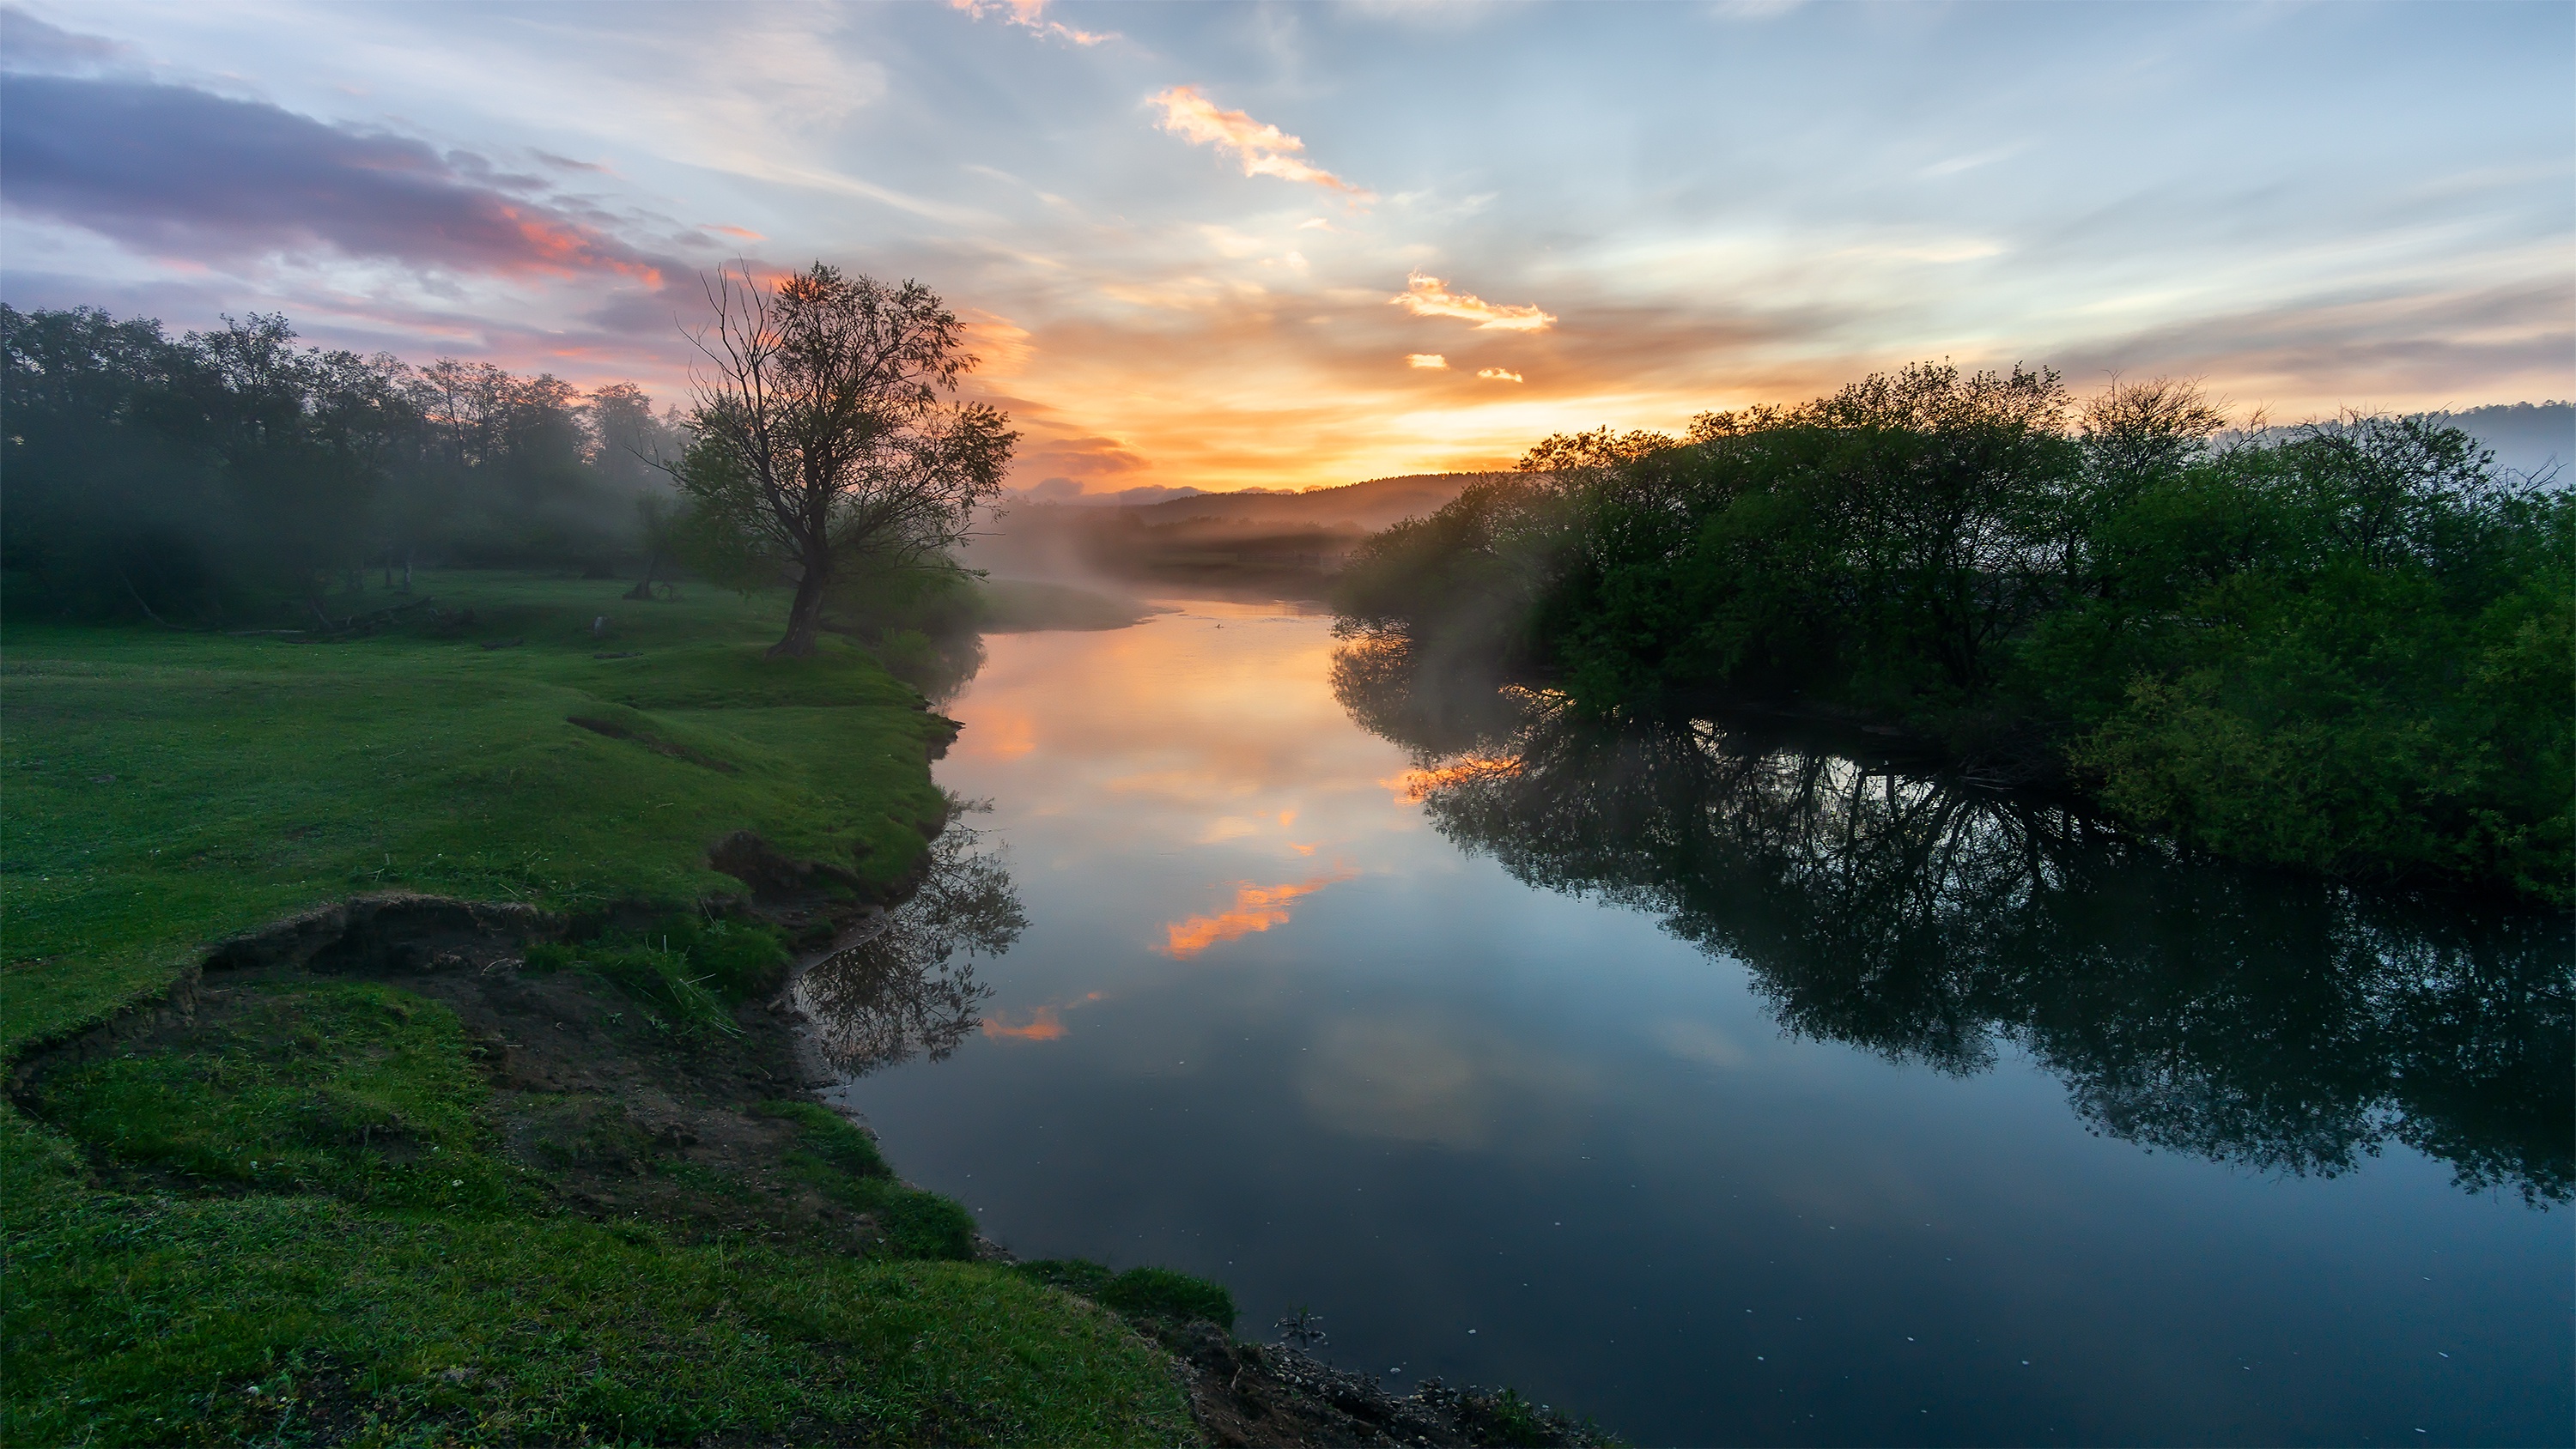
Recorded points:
804,617
644,589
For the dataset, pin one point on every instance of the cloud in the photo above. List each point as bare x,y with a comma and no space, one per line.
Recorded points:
1256,908
30,44
1264,150
1083,457
1045,1023
1426,359
175,171
1426,296
567,163
1029,15
1496,374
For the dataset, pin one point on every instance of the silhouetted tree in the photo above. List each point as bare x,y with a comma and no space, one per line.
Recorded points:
822,439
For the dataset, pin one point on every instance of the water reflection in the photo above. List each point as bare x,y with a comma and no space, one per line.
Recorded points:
2279,1025
909,988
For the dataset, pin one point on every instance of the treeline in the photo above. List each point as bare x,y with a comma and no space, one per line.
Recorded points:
2349,647
221,475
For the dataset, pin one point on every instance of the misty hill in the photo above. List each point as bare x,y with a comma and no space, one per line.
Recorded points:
2527,437
1367,506
1277,539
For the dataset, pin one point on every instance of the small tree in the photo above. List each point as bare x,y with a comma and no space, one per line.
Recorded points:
821,439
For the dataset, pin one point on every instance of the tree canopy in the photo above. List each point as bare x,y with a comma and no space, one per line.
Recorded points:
825,436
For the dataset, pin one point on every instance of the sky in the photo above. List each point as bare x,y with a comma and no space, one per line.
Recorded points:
1232,245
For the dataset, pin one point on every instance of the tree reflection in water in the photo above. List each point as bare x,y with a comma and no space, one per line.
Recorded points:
910,989
2279,1024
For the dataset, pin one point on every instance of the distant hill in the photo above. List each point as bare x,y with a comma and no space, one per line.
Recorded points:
2527,437
1367,506
1286,540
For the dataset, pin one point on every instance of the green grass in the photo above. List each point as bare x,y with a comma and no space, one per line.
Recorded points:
350,1089
297,1221
1138,1292
195,1318
843,1163
164,789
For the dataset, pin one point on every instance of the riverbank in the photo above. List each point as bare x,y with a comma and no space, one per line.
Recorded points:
408,1168
399,1050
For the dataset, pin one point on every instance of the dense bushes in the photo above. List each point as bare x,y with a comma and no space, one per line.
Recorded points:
2345,647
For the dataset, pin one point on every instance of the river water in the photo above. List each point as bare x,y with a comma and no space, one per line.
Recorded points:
1725,1086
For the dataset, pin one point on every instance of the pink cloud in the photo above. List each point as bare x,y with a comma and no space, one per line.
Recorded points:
1263,150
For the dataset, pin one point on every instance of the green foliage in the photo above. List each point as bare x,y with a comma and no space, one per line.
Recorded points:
353,1090
227,475
687,973
1138,1292
1469,576
658,981
843,1163
2345,649
1505,1418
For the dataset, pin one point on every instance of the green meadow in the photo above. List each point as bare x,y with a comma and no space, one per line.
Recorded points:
306,1212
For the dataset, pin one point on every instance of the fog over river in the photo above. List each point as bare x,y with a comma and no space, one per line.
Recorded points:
1722,1084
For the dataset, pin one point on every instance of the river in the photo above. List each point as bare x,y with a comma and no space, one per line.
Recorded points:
1722,1085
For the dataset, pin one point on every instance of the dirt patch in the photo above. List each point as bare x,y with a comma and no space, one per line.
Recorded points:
1267,1395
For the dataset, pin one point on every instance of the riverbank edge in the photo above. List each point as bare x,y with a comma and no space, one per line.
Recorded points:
471,956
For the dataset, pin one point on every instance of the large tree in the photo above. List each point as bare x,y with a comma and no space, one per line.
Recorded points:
824,434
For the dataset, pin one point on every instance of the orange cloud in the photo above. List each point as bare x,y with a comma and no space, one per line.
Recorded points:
1029,15
1046,1023
1256,908
1412,786
1425,359
745,233
1496,374
1264,150
1426,296
564,249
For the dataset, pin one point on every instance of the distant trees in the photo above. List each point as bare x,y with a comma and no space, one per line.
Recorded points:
191,478
2349,647
821,440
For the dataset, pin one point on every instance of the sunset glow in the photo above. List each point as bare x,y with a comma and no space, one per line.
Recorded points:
1232,246
1255,908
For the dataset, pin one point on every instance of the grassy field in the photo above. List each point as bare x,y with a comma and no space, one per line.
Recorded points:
306,1212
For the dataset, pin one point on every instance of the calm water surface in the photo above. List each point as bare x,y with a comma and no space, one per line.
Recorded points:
1721,1087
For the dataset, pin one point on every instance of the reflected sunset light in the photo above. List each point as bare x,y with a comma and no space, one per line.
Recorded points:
1256,908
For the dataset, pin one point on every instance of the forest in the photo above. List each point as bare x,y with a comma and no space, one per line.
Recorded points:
2342,648
227,478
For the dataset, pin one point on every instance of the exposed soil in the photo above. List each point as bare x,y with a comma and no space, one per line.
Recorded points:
1268,1395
